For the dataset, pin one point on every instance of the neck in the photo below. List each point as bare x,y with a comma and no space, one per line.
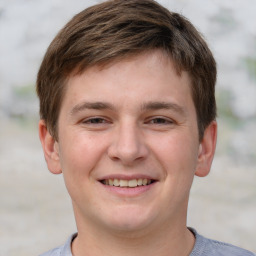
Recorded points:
170,240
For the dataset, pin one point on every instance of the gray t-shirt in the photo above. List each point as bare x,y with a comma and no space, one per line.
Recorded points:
203,247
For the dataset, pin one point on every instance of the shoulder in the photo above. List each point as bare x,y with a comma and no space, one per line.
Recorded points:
220,248
53,252
205,246
64,250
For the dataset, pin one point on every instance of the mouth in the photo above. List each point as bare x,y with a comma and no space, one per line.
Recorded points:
132,183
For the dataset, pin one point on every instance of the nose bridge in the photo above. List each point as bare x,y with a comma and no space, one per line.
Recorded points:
128,144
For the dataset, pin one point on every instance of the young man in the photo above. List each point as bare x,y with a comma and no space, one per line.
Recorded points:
128,113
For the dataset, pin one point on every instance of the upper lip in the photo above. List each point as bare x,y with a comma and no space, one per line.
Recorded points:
127,177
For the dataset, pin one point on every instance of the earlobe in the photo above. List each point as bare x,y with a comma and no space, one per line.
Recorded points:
50,148
206,150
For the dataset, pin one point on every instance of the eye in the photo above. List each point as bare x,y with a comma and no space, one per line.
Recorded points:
160,121
96,123
95,120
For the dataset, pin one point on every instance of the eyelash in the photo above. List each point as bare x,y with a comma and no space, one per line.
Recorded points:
95,121
101,121
163,121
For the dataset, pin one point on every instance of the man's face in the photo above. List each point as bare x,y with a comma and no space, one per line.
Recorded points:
128,144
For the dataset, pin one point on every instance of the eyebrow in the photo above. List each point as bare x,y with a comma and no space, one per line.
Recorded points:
154,105
164,105
90,105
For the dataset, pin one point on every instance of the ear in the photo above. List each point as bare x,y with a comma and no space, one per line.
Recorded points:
50,148
206,150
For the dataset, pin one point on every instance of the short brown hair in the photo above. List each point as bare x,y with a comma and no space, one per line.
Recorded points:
117,29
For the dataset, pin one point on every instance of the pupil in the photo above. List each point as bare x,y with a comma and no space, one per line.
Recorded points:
159,120
96,120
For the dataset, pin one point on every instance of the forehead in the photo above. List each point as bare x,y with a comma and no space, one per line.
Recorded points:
155,55
146,76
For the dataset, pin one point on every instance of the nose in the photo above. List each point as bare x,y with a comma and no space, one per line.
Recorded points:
128,145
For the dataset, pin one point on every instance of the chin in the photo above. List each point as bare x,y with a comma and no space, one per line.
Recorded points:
130,219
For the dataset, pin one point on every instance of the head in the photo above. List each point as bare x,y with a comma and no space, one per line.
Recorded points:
115,30
127,96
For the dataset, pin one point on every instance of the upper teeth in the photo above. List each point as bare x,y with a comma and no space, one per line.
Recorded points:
127,183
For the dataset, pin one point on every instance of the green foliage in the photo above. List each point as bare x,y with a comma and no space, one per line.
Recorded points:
27,91
225,111
224,20
250,64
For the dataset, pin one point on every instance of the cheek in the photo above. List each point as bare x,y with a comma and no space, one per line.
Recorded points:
79,157
80,154
177,154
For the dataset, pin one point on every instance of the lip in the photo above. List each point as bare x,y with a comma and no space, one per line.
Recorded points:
128,192
127,177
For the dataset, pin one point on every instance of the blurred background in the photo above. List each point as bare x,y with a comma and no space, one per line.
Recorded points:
35,210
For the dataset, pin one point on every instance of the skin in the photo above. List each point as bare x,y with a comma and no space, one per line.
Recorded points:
134,118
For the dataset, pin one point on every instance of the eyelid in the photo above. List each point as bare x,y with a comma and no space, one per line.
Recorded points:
167,120
88,119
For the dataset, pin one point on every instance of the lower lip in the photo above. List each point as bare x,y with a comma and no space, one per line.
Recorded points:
129,192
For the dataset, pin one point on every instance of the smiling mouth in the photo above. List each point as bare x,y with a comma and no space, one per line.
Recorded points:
127,183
